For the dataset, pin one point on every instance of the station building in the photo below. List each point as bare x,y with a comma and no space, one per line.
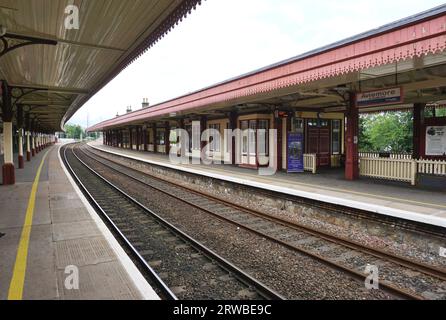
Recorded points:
399,66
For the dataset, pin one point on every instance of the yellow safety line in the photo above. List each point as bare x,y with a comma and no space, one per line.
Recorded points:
18,277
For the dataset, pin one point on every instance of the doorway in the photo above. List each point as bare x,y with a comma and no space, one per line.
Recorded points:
318,140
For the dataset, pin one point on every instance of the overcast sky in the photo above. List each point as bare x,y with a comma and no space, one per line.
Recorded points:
225,38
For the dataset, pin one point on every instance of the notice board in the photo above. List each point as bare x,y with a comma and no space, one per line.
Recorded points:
436,140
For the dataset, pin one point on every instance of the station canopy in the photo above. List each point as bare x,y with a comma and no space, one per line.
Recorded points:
52,71
408,54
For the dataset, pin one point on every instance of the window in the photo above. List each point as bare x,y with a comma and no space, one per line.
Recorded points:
189,133
196,135
263,137
150,136
160,137
336,137
312,122
244,126
214,145
126,138
323,123
297,125
252,136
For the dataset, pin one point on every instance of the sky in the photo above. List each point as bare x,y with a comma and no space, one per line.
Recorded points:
225,38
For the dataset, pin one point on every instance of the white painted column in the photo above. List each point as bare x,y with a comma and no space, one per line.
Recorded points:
28,146
33,143
7,142
21,142
21,165
8,167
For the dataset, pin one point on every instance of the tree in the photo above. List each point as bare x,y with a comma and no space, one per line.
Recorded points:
387,132
74,131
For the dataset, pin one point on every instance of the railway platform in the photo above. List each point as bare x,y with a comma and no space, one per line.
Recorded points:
385,198
53,244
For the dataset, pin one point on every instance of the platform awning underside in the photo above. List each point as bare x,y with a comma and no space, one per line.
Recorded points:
58,79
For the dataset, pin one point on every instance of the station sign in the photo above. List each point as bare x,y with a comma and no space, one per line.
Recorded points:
382,97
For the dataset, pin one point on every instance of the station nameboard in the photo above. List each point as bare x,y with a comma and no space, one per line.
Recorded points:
379,97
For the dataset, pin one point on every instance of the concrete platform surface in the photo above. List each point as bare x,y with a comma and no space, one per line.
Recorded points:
383,197
45,242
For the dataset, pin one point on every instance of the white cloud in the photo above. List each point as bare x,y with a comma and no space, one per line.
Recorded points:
225,38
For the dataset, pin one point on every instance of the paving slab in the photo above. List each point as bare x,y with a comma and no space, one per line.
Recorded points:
65,232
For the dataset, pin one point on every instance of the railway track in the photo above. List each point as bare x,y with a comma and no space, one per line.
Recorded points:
161,250
401,277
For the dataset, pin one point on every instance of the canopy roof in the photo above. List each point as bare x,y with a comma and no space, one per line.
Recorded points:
60,69
408,53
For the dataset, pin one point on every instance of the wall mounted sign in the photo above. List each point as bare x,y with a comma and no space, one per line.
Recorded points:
436,141
379,97
295,152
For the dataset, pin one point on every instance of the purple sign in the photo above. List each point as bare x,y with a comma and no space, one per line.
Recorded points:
295,152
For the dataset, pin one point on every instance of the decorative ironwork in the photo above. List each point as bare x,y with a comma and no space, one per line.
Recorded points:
18,93
10,42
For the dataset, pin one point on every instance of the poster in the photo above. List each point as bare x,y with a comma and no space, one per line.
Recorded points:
295,152
436,141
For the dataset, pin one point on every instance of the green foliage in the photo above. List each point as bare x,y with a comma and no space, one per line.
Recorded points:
386,132
74,131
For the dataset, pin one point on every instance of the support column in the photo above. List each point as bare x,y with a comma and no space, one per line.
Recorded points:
352,136
36,138
33,140
233,126
155,145
144,138
167,137
21,160
203,127
28,146
131,138
279,148
418,124
8,171
20,129
138,141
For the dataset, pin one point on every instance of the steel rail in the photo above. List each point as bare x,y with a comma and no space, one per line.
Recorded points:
378,253
248,280
431,271
166,293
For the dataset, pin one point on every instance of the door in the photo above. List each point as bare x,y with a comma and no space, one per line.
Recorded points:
318,141
249,143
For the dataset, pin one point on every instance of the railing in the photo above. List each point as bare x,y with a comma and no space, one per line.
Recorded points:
310,163
432,167
389,169
406,156
405,170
